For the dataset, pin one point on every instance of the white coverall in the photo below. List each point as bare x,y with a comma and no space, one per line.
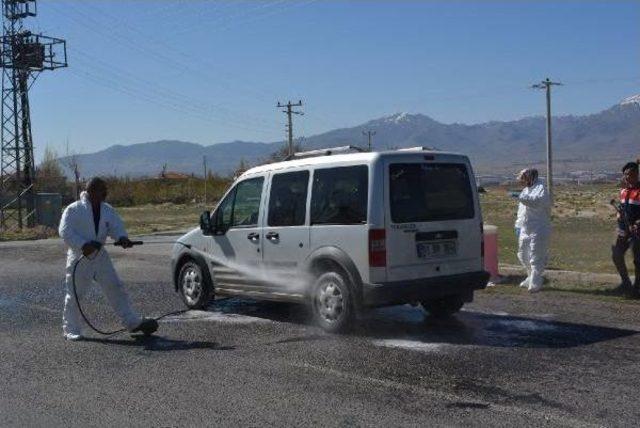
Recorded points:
77,228
519,218
534,219
518,229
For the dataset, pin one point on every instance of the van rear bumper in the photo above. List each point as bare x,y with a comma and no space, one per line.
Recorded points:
395,293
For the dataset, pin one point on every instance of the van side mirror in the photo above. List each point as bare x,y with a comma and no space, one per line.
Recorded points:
205,223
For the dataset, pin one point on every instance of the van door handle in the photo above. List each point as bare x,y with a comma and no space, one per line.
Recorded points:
253,237
273,236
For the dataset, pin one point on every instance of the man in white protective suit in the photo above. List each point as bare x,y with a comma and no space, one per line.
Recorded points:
85,226
534,220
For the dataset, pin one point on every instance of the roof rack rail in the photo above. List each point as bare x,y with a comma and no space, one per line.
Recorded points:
423,148
325,152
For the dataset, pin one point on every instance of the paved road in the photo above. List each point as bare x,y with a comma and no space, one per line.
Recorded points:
506,360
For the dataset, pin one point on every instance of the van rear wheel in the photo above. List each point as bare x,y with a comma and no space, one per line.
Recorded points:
332,302
443,307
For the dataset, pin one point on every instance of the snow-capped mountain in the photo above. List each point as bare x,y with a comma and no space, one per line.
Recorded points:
634,99
601,140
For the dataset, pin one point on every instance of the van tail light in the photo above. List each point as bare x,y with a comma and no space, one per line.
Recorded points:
482,242
377,248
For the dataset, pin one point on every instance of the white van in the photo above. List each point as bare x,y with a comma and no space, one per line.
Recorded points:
342,232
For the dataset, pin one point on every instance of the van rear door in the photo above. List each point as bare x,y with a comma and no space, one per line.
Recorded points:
433,218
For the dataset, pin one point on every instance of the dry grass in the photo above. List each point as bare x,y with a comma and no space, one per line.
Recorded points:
583,226
38,232
601,292
160,218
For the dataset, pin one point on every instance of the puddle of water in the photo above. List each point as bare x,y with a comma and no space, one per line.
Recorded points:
546,317
527,325
479,311
220,317
401,313
6,302
500,314
413,345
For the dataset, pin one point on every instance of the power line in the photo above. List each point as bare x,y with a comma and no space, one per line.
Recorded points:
167,54
290,112
161,57
369,134
213,24
546,85
153,98
137,83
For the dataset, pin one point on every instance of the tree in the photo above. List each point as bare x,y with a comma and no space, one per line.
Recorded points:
283,152
49,174
71,162
240,169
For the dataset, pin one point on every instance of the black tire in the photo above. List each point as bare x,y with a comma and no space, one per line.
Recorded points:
443,307
332,303
194,285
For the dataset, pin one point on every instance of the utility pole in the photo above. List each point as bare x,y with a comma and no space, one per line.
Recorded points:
369,134
546,85
290,112
23,55
204,163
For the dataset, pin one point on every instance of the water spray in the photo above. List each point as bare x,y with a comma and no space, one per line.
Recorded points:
273,276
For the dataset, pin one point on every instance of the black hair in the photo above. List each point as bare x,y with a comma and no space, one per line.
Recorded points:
94,183
630,165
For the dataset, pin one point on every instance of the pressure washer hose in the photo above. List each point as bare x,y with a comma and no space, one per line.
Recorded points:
75,293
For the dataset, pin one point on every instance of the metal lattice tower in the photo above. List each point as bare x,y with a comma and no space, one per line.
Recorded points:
23,55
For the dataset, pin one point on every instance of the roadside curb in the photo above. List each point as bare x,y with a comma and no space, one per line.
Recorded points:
582,278
165,233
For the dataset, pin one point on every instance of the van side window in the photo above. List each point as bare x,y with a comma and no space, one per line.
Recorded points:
247,202
339,195
241,206
225,211
288,199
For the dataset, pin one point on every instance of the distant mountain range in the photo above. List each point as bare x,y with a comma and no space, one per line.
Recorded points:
597,141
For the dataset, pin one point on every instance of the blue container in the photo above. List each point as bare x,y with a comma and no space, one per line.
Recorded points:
48,209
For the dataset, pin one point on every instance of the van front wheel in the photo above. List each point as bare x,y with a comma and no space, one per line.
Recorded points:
194,285
332,302
443,307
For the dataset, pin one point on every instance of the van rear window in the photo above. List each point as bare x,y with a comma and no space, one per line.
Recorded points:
421,192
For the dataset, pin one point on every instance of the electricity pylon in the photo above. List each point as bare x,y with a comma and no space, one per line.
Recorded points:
23,55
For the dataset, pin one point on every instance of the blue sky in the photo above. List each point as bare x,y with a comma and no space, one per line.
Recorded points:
213,71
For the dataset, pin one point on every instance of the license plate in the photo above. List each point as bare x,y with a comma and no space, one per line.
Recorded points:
428,250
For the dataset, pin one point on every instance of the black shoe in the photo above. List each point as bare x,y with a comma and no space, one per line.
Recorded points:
634,293
623,289
147,326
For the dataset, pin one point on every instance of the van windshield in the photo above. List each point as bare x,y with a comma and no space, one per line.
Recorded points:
421,192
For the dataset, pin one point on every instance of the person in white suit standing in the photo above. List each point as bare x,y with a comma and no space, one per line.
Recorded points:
534,220
84,227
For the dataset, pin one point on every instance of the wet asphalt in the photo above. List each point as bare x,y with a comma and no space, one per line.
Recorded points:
506,360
